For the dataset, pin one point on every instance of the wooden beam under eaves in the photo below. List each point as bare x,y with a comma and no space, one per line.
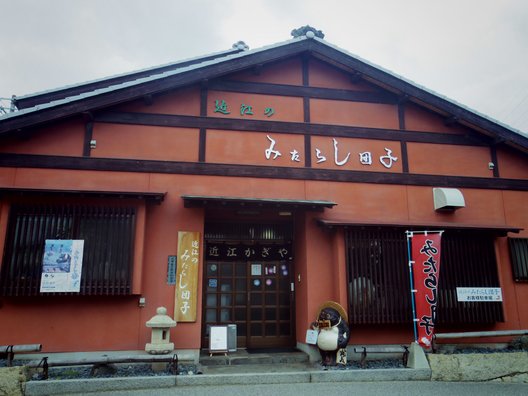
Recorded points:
356,77
148,100
87,116
403,98
498,140
451,120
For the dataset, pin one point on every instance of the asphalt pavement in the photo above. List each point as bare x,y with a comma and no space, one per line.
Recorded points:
379,388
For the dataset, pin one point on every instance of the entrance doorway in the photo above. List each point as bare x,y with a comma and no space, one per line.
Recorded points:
248,282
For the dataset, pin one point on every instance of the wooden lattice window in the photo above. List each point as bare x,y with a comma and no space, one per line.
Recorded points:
519,258
378,277
108,234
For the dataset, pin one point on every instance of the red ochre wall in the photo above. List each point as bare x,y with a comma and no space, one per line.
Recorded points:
118,323
94,323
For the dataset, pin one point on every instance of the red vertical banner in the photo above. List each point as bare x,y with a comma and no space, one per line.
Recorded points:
426,270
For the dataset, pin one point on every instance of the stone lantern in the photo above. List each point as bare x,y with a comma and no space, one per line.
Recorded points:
160,324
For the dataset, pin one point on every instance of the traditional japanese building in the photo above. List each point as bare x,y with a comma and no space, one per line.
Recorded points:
247,187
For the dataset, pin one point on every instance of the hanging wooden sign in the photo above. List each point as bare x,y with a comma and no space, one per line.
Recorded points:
218,251
188,261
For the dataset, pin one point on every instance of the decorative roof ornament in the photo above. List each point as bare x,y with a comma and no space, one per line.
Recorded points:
241,46
307,31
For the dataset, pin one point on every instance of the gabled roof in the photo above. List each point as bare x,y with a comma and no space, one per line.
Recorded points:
38,98
53,105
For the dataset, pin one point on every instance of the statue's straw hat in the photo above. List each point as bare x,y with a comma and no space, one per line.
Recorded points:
336,306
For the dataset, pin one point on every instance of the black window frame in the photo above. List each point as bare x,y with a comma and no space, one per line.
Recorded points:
379,285
519,258
108,231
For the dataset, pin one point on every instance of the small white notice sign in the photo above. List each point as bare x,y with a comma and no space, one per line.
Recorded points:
217,339
311,337
479,294
256,269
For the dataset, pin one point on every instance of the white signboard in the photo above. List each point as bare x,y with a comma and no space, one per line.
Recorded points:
217,339
62,266
479,294
311,337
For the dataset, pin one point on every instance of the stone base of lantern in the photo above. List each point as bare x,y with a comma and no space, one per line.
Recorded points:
159,367
159,349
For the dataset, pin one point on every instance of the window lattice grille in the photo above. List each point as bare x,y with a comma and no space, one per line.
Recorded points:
519,258
378,277
108,234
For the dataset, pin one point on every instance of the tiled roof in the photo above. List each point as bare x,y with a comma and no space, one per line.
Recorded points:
86,97
36,98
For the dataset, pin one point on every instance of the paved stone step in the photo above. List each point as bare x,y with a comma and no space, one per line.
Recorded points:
242,357
258,368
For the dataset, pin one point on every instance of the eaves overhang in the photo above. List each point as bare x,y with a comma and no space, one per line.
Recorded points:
408,90
38,98
500,230
204,201
130,90
151,197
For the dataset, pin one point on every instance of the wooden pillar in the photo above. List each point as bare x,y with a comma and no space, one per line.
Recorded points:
340,279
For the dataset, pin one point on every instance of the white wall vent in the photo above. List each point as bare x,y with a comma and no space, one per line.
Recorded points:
448,199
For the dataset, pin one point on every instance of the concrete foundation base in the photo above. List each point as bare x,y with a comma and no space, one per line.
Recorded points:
12,380
500,367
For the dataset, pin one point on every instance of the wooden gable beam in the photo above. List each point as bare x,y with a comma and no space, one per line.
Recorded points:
127,93
451,120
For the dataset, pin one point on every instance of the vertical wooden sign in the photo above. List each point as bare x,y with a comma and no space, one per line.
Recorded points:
188,261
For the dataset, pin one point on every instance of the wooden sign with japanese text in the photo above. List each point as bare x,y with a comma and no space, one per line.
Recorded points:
188,261
218,251
327,152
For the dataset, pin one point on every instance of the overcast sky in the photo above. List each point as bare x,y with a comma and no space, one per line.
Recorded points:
472,51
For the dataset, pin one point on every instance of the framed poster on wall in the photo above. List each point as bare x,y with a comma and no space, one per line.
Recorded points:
62,266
